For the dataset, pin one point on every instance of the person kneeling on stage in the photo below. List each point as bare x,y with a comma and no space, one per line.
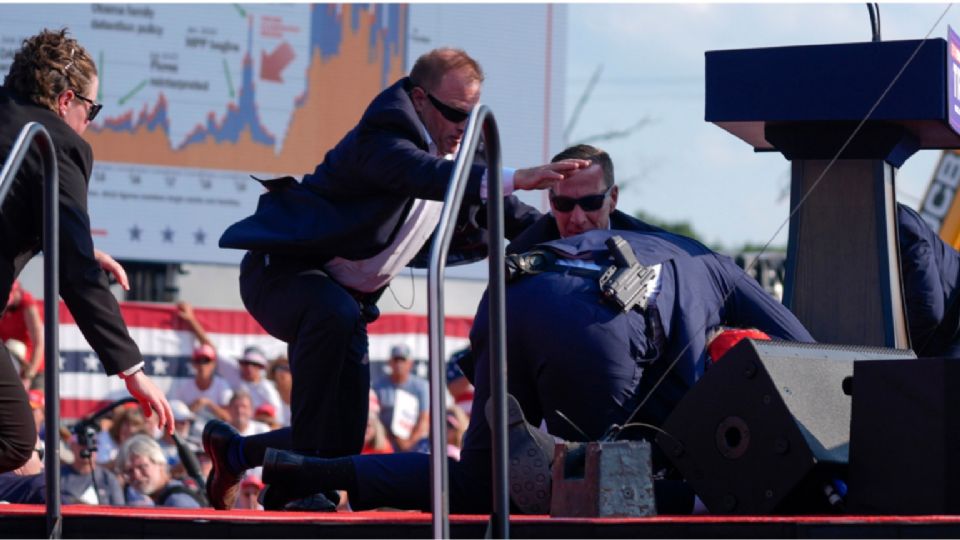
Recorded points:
574,351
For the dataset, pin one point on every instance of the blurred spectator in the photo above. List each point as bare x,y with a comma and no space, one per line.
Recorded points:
127,421
250,488
37,404
183,419
375,439
81,482
458,384
207,394
457,421
266,414
251,365
241,415
21,321
279,373
18,353
404,403
148,478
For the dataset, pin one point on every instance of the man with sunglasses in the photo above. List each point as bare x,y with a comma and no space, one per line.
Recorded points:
322,250
585,201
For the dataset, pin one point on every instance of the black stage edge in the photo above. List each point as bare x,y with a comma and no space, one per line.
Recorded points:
27,521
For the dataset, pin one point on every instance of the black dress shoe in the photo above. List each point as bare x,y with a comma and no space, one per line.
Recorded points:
273,498
223,485
291,486
531,453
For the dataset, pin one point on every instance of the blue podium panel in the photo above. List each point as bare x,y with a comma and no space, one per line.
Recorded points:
749,90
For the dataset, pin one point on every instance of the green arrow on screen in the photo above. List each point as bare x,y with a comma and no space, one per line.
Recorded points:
226,71
240,10
133,92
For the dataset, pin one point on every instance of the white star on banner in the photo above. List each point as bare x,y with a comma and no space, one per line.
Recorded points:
160,366
90,362
63,362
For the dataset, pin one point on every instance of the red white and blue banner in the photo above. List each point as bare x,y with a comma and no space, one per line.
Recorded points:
167,344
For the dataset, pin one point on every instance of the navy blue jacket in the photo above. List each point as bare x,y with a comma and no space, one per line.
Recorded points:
930,271
700,289
354,202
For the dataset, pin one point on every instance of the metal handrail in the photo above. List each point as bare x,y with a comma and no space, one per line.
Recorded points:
51,293
480,118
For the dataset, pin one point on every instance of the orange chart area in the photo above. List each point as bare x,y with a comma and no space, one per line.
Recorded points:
340,84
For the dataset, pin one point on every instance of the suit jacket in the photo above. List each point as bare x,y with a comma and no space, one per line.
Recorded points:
354,202
931,269
83,284
700,289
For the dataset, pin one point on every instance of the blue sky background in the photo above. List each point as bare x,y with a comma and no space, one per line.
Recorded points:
679,167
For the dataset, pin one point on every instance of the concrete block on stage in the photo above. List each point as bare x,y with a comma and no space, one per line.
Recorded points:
807,102
602,479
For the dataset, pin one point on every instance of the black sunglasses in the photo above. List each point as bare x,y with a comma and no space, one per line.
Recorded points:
94,106
452,114
202,361
589,203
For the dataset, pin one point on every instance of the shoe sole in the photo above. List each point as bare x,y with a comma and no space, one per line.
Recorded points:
529,465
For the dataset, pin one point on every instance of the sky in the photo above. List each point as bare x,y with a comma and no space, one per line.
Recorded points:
678,167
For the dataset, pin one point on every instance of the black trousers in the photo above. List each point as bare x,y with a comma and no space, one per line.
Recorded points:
326,336
18,433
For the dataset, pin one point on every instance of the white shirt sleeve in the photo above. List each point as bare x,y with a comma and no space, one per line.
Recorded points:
506,175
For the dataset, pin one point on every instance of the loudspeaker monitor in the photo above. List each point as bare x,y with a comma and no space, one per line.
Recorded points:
766,429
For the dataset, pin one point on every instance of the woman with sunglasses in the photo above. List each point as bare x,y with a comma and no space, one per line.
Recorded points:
53,81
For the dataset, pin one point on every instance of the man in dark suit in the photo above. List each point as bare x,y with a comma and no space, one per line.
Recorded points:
53,81
322,250
931,275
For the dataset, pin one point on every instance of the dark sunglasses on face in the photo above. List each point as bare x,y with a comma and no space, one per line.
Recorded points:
94,107
452,114
589,203
251,364
202,361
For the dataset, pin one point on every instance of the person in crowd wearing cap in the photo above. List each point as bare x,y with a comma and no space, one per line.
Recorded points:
208,393
252,365
322,250
241,415
279,373
21,322
53,80
249,491
404,402
145,469
77,486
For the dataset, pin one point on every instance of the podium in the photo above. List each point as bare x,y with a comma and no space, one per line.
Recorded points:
842,271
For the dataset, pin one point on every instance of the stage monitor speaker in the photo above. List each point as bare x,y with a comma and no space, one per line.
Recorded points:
766,429
905,437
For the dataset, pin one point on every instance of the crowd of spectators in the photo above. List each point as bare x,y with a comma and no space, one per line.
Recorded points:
124,459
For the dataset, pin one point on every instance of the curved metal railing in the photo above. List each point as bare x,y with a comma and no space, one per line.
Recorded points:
480,118
34,131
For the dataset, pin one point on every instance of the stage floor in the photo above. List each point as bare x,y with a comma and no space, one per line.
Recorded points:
28,521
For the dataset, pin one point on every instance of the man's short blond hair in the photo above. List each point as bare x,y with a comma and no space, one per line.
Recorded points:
432,66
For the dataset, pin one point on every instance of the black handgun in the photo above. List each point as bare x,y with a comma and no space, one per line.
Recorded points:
625,282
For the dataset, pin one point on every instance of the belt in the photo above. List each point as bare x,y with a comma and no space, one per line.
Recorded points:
305,267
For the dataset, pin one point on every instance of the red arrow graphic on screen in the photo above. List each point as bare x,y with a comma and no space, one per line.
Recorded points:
272,64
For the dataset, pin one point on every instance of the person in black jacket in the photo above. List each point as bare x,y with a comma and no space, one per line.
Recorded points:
53,81
322,250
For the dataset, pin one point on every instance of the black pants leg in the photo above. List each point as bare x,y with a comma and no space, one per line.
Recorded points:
18,433
327,339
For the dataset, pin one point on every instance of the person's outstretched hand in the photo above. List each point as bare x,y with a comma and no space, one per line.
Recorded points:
545,176
151,399
113,267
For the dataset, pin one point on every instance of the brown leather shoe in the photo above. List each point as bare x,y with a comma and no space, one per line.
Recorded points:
223,485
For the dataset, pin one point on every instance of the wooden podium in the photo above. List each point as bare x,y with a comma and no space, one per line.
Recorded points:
843,272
